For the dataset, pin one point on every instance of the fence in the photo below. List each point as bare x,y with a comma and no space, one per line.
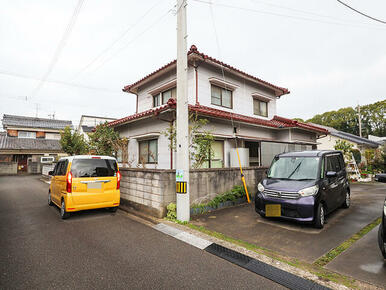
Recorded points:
151,190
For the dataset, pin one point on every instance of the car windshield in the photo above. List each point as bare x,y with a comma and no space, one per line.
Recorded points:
294,168
93,167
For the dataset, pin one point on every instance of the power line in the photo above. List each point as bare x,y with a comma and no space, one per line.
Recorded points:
114,42
60,47
18,75
133,39
361,13
285,15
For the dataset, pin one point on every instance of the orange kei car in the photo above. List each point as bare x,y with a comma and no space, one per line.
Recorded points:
85,182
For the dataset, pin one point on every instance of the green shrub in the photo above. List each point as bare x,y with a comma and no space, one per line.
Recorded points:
235,193
172,211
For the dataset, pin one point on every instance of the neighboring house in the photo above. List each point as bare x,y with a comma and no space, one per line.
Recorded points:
380,140
328,142
235,103
28,139
88,123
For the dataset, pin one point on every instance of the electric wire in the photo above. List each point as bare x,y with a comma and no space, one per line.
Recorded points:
361,13
287,16
60,47
133,39
115,41
18,75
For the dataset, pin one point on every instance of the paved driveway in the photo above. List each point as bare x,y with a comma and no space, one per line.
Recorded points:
298,240
98,250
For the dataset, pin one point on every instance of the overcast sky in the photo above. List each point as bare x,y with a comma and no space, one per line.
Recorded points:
327,55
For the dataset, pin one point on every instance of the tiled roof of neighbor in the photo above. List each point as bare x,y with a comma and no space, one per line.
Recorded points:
347,136
32,122
276,122
15,143
194,51
87,129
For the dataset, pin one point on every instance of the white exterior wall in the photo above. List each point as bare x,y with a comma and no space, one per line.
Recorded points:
242,95
328,143
145,130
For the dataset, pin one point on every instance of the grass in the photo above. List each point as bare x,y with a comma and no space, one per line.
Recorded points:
325,259
319,271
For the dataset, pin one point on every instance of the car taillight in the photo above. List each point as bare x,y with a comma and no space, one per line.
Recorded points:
118,179
69,182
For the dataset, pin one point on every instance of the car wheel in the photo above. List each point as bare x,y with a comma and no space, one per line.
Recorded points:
63,213
262,215
380,241
319,217
347,201
113,209
50,203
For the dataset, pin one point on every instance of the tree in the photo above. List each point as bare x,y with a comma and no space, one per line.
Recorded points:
200,141
345,147
73,143
373,118
105,141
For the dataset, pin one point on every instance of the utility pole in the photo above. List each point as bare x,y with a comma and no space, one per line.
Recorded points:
359,120
182,161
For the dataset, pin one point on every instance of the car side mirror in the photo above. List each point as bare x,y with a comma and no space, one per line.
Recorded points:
51,172
330,174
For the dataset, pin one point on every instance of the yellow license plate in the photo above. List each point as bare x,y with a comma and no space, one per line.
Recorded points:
272,210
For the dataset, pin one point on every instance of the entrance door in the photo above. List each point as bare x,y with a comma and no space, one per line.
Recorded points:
253,153
22,161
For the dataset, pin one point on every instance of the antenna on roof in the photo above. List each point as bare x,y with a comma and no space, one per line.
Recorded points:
37,109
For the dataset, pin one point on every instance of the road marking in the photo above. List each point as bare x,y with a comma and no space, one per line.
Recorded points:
183,236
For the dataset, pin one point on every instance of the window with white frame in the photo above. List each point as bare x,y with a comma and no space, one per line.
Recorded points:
162,98
27,134
148,151
260,107
221,97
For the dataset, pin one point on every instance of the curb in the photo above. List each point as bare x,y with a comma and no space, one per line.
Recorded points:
268,271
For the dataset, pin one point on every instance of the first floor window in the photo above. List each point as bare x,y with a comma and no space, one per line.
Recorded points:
217,156
148,151
260,108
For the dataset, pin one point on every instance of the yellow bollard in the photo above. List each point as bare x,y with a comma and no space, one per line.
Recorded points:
242,176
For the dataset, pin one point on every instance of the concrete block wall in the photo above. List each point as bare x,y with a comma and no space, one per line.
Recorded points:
151,190
7,168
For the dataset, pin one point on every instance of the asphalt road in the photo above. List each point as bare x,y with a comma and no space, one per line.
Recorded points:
98,250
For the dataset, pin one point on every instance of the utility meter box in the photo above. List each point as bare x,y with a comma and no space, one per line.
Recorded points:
244,157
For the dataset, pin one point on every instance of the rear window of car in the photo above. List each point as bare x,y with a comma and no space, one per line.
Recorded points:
94,167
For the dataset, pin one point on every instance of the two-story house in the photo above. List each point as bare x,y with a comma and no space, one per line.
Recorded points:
240,108
88,123
30,142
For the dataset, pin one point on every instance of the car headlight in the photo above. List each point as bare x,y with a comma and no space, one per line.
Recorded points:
309,191
260,187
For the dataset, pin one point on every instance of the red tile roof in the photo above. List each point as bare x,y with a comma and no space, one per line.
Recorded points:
194,51
277,122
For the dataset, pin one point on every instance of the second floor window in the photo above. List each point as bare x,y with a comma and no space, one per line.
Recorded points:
162,98
221,97
26,134
260,108
148,151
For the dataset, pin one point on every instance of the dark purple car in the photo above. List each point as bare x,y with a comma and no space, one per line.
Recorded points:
304,186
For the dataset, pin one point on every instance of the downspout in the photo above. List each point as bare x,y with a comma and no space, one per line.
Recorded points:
136,105
171,141
196,72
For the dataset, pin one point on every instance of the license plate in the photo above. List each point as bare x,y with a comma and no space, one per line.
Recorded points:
272,210
95,185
